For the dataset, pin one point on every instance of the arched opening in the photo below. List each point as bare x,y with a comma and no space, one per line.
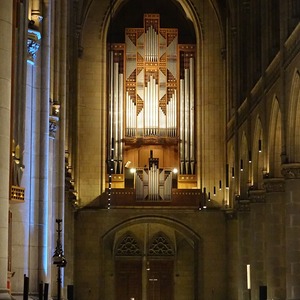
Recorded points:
151,259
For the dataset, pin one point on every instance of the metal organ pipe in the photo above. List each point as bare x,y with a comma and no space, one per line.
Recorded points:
192,111
111,97
187,119
182,126
116,108
121,136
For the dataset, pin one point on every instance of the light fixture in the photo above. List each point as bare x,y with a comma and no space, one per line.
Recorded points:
58,258
227,176
132,170
214,190
175,171
242,165
232,172
204,197
250,156
220,185
259,145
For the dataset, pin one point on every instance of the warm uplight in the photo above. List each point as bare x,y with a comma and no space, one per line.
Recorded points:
132,170
175,171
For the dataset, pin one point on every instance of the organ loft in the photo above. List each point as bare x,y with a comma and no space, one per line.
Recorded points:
151,111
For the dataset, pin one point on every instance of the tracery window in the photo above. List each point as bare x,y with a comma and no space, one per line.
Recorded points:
128,246
160,246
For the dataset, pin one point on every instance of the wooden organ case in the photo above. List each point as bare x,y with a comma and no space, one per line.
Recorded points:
151,111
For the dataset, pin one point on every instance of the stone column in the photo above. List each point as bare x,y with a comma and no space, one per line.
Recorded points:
257,236
275,237
6,11
291,173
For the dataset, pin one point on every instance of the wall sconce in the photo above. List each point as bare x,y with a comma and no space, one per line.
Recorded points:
259,145
250,157
220,185
227,176
232,172
242,165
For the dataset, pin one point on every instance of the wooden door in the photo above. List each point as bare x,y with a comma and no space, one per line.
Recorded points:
129,280
160,280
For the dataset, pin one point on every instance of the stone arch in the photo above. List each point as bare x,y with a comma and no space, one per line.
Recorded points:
231,177
243,166
275,139
258,155
168,234
293,134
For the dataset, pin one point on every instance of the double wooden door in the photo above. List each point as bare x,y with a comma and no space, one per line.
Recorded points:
158,285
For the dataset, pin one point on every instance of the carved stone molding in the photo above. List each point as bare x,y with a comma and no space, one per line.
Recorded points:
274,185
53,124
33,45
257,196
291,171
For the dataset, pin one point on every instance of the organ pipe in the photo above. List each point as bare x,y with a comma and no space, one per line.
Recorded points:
116,108
182,126
192,109
187,119
186,133
111,103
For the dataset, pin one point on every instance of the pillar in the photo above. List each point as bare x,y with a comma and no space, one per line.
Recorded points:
257,236
275,238
6,10
291,174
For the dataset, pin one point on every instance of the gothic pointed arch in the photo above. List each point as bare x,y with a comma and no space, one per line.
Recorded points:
128,245
293,135
243,166
160,245
258,155
275,138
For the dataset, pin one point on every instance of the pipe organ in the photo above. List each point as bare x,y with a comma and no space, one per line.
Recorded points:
151,102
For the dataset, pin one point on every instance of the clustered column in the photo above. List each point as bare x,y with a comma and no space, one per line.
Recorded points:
291,173
274,237
5,107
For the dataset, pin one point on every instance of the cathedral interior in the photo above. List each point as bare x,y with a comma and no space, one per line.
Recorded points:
150,150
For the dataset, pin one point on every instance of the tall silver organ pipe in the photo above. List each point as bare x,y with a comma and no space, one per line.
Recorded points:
151,107
151,50
116,109
192,115
116,114
187,117
182,126
171,115
187,103
130,116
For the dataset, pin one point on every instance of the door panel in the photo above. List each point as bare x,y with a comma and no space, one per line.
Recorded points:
160,280
128,280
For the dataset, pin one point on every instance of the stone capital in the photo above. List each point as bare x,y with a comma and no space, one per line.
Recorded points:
274,185
291,171
33,45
